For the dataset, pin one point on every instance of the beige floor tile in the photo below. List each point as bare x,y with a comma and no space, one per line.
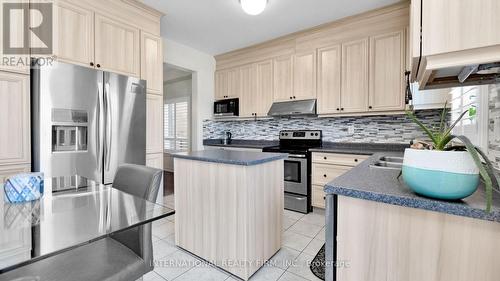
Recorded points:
288,276
314,218
314,247
304,228
321,235
152,276
175,264
301,267
203,273
293,215
295,241
162,249
267,273
284,258
287,222
163,230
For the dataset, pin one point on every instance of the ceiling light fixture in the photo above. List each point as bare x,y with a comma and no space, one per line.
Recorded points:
253,7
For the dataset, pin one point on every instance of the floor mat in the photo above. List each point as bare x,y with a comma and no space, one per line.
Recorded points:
318,264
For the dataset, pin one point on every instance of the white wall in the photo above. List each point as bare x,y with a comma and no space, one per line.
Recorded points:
203,67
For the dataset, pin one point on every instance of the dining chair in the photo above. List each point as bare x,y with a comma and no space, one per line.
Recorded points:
126,255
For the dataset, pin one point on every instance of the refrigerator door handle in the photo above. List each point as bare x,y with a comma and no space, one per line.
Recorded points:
108,126
100,106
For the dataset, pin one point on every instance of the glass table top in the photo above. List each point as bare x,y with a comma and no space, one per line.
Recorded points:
73,211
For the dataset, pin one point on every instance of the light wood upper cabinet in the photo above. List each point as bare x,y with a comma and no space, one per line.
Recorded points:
387,63
117,46
220,84
74,34
304,76
264,87
14,118
283,78
446,29
248,98
354,84
154,124
10,62
152,62
329,76
227,83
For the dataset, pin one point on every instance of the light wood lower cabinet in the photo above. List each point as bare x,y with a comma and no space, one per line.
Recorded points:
325,168
74,34
14,118
117,46
152,62
154,124
386,242
387,66
354,85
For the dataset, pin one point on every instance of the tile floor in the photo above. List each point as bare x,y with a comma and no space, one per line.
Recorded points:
303,236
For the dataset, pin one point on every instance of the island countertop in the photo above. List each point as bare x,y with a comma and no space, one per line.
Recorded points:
381,185
245,158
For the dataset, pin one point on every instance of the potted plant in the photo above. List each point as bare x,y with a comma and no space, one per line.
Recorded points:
442,170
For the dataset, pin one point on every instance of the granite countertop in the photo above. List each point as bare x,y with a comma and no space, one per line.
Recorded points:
365,182
257,144
245,158
359,148
330,147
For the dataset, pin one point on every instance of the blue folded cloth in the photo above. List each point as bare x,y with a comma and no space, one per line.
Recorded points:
23,187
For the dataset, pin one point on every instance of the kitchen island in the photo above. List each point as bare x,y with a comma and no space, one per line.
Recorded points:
229,207
384,231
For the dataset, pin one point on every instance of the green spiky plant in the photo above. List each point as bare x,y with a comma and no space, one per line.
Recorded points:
441,138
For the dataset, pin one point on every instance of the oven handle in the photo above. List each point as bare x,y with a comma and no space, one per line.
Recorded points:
296,156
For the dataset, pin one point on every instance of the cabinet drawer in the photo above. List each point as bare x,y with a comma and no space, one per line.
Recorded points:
318,196
324,173
338,158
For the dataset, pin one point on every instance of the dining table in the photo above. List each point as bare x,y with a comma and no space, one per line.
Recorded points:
72,212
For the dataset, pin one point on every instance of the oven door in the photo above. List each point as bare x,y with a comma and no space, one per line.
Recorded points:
296,174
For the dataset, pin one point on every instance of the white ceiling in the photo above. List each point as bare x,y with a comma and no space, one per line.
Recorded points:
219,26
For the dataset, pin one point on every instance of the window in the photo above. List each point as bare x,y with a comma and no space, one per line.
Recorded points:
473,127
176,122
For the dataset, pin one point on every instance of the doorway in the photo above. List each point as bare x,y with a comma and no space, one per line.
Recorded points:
177,89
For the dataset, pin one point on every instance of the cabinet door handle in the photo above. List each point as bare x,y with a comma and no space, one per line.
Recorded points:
291,97
355,160
294,97
370,107
91,64
342,109
98,65
325,158
324,197
324,176
338,109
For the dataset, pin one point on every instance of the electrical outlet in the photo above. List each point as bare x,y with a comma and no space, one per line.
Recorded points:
350,130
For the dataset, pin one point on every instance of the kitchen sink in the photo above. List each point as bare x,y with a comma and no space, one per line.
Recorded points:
391,159
388,163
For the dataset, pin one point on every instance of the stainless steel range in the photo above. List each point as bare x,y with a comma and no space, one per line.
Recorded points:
297,166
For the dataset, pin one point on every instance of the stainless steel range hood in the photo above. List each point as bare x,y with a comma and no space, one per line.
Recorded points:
293,108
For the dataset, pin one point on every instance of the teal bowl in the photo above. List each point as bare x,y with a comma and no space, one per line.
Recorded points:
439,184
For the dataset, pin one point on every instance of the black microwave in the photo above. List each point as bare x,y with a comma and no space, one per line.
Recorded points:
229,107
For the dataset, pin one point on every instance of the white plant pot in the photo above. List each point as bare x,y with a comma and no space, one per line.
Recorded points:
447,175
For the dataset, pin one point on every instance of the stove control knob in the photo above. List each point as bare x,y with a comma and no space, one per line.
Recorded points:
316,134
286,134
312,134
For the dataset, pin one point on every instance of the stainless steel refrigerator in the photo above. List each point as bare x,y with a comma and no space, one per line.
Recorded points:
85,121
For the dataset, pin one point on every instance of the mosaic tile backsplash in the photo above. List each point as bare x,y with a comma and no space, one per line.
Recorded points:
372,129
494,125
